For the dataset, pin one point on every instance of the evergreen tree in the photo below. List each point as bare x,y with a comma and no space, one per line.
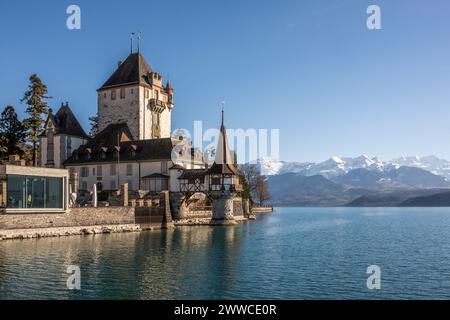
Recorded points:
35,97
246,192
12,133
94,125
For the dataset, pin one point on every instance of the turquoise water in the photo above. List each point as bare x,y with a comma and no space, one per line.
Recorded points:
295,253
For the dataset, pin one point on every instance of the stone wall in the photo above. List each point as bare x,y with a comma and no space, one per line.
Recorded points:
76,217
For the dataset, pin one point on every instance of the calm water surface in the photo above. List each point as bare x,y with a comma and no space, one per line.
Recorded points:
295,253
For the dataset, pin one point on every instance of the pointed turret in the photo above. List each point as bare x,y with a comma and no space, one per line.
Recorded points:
224,161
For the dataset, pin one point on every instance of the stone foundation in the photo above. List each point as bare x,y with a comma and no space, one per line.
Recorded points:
21,234
223,210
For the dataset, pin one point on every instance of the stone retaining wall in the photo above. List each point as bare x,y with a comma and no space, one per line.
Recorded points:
75,218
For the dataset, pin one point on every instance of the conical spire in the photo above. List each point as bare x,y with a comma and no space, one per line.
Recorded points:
223,153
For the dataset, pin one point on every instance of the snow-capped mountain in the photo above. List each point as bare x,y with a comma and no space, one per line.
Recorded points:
438,166
270,167
337,166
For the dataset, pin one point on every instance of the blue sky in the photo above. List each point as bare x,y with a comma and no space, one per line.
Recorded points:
309,68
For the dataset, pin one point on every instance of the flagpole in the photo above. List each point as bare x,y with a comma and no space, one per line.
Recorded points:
118,161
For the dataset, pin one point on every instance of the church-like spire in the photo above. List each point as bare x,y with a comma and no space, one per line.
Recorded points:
224,161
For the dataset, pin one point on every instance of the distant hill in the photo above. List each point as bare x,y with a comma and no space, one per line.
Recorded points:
435,200
296,190
359,187
375,201
392,199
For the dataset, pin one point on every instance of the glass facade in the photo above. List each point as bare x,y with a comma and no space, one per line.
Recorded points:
31,192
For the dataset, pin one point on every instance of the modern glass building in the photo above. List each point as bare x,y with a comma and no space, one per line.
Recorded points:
33,190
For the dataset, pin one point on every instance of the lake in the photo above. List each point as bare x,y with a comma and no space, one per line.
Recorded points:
294,253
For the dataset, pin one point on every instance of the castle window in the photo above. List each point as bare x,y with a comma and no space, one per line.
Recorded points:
99,171
132,91
104,95
112,170
122,93
129,169
84,172
113,94
146,94
164,167
156,94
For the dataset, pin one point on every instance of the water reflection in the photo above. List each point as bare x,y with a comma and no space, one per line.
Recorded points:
297,253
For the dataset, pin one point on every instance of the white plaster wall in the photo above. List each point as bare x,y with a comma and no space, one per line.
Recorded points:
174,183
146,114
166,123
147,168
57,151
43,150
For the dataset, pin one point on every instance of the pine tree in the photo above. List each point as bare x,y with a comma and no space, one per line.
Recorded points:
94,125
12,133
35,97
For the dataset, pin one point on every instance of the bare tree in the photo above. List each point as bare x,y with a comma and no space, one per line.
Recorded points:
251,173
261,189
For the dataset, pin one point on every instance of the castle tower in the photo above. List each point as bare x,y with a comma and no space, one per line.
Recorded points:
62,135
135,94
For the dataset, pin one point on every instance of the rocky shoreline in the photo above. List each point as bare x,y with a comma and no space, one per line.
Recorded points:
21,234
55,232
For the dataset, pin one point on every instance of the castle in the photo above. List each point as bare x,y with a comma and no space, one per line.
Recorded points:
133,144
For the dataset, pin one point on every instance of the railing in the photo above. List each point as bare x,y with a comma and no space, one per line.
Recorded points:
157,104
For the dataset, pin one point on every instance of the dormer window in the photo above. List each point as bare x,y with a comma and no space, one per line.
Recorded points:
116,151
103,151
132,150
87,153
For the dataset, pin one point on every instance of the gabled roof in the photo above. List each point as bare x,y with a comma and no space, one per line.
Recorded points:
65,122
130,150
108,136
193,174
134,70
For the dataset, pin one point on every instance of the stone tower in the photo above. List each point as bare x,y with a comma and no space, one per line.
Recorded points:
135,94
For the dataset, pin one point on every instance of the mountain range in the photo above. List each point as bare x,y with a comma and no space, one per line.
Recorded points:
360,181
336,166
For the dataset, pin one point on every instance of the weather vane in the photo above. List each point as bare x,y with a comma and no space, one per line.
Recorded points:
131,39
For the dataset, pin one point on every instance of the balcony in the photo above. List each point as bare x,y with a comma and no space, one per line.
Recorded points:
157,105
